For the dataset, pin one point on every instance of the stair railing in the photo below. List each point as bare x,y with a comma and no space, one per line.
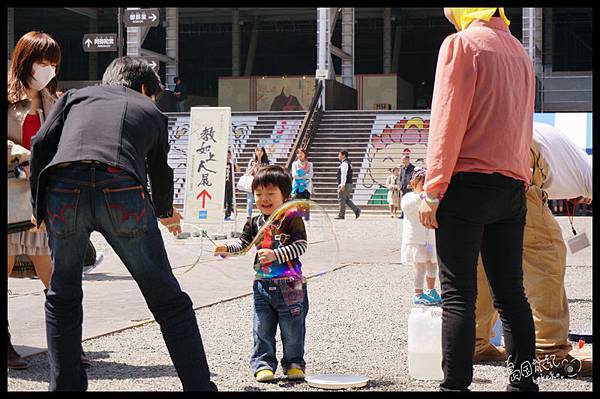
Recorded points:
309,126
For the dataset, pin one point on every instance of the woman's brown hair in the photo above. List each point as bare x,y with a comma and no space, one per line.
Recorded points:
32,47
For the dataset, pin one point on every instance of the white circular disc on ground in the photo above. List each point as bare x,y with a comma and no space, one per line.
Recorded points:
336,381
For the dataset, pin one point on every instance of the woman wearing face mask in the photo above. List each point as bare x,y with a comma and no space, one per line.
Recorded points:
31,95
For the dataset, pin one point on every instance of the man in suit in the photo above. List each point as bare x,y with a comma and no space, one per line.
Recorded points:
89,163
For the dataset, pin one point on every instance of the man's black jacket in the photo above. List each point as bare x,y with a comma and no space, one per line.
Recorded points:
110,124
404,178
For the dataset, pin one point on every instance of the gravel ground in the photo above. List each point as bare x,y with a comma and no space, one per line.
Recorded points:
357,324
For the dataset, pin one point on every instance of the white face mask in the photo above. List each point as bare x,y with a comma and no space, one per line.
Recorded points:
42,75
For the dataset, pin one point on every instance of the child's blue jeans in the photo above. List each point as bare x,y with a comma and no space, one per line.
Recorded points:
285,303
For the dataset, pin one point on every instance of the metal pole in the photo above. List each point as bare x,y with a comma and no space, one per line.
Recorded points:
252,48
387,40
235,42
120,31
322,45
348,46
172,45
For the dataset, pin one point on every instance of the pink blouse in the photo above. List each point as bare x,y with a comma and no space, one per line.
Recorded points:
482,107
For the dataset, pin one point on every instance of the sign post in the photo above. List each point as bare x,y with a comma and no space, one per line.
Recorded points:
208,140
96,42
141,17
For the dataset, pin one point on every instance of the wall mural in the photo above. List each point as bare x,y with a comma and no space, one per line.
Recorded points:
392,137
280,141
395,135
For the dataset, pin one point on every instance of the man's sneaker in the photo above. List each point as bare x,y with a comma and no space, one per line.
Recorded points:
357,214
423,299
338,217
99,259
492,353
434,294
264,375
295,374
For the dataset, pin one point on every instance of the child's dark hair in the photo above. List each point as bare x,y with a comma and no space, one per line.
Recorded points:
275,175
418,175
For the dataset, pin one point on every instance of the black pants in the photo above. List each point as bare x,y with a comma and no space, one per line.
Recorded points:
228,203
304,195
483,212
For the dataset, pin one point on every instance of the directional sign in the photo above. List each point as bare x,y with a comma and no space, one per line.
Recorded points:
153,61
141,17
94,42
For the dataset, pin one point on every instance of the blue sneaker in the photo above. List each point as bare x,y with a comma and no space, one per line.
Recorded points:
423,299
434,294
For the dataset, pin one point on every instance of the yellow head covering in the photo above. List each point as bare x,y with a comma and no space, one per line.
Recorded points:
464,16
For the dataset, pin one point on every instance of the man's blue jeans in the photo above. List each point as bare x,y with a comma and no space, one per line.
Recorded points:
286,304
82,198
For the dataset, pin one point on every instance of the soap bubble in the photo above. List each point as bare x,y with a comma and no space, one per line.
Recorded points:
280,229
192,251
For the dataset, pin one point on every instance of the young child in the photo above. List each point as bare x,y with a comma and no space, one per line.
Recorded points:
393,195
280,296
418,246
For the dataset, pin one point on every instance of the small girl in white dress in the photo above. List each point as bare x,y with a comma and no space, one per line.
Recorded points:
418,244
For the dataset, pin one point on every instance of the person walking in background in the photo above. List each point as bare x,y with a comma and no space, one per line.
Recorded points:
89,172
302,172
260,160
228,201
32,94
406,170
181,94
418,245
558,169
478,161
393,195
345,181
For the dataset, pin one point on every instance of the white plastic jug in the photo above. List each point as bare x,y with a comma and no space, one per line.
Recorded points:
425,343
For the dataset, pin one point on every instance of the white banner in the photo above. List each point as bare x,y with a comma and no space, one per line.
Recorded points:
206,162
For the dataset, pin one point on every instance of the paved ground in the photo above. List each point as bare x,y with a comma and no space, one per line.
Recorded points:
357,321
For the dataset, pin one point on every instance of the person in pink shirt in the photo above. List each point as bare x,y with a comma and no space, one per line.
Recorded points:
474,198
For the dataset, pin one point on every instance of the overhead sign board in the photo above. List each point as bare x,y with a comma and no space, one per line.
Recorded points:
321,74
153,61
141,17
94,42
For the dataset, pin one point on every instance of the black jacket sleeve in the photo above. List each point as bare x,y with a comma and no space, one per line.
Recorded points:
160,173
45,144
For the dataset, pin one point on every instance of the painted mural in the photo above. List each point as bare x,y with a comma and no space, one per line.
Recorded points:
282,138
284,94
397,134
392,137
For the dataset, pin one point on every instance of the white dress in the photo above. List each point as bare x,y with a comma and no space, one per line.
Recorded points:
418,242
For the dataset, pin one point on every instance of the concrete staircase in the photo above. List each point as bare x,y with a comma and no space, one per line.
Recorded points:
338,130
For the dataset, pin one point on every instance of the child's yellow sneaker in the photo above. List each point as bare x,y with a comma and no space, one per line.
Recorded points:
264,375
295,374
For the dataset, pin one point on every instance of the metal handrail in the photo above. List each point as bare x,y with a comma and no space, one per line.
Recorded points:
306,123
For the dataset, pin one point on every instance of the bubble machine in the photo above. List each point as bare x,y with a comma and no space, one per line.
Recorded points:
425,343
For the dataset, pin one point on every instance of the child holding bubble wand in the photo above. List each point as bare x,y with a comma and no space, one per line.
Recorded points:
418,246
279,290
